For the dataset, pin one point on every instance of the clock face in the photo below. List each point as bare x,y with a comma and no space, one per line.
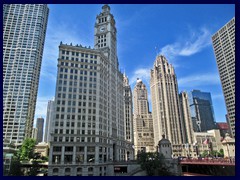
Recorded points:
102,28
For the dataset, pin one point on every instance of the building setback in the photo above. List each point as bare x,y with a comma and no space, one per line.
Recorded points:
89,126
142,120
24,30
224,48
165,104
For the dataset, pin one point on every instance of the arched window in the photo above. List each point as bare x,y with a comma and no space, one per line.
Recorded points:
68,170
55,170
90,169
79,169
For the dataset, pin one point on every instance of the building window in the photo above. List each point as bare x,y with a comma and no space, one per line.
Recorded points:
55,170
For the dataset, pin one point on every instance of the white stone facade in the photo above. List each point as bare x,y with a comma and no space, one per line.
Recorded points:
142,120
89,125
187,127
165,104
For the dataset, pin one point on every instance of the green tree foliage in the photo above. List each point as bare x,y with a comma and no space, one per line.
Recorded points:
15,167
34,169
26,152
213,153
221,153
153,164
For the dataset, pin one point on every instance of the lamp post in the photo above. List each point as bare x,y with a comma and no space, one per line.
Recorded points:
196,147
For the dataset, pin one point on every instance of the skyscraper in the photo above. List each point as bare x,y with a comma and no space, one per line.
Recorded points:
49,121
24,30
89,127
40,124
165,104
224,49
187,127
201,111
142,121
34,133
128,113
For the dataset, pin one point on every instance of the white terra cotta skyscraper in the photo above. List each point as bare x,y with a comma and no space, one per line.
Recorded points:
89,125
167,119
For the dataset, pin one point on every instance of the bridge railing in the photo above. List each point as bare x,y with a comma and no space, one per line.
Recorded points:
208,160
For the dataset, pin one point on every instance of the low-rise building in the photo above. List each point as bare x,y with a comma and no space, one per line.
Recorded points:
228,146
42,148
205,141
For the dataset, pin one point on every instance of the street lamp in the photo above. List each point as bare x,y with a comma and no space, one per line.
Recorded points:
196,147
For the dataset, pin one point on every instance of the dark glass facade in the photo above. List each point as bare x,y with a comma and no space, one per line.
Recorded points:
202,113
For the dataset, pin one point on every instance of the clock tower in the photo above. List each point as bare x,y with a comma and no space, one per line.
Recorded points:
105,35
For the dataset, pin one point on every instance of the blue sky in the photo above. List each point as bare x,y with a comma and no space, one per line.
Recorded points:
182,33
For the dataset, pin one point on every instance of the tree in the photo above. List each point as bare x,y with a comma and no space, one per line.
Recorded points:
15,167
153,164
26,152
205,153
213,153
34,168
221,153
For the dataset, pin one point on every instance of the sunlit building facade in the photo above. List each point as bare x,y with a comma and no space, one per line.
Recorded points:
166,111
224,48
89,125
49,120
142,120
24,30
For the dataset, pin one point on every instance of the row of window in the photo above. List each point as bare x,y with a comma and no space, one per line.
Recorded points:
82,139
82,78
76,71
78,149
76,90
79,170
75,83
74,96
78,54
103,19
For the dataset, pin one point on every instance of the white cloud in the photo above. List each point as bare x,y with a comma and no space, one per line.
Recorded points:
141,73
199,80
194,43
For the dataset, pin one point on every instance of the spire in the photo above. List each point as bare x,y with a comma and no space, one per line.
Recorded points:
105,8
